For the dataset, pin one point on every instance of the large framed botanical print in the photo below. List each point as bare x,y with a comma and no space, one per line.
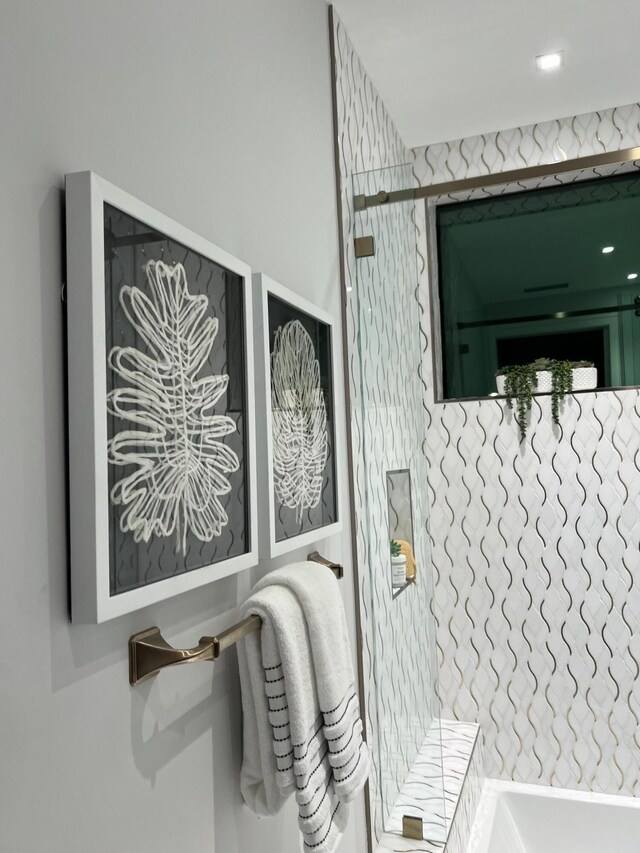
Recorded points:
161,405
296,402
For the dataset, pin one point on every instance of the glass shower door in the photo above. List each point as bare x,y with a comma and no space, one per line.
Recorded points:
389,427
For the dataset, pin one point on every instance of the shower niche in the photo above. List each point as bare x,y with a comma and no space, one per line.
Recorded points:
400,514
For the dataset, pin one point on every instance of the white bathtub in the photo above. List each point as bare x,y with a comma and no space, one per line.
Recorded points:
514,818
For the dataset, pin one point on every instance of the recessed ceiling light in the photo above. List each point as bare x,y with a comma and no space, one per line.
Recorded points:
632,275
607,250
549,61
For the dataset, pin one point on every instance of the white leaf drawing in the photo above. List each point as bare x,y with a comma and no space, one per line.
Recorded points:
299,419
174,438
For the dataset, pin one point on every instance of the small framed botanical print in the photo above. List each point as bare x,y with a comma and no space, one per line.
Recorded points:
161,405
297,423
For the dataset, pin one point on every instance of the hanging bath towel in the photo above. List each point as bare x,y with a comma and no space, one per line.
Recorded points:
302,726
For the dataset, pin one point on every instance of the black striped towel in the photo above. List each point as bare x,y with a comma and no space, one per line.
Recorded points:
302,726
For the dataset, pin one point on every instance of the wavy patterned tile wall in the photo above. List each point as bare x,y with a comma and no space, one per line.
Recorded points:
534,145
536,549
388,432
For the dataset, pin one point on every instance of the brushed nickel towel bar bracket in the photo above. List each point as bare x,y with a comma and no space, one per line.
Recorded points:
149,652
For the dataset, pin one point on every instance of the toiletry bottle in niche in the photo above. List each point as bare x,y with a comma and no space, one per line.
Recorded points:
398,565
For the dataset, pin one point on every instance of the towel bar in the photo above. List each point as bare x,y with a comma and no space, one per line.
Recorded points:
149,652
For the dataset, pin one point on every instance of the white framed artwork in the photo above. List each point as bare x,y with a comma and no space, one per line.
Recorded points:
161,405
299,464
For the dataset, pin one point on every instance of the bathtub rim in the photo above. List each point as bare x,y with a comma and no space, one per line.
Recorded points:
494,789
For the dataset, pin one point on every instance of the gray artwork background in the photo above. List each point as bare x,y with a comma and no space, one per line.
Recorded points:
287,524
133,565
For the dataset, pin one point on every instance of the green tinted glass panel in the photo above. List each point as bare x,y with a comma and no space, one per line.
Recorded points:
524,276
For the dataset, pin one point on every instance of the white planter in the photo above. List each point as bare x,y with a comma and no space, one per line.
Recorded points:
583,378
399,570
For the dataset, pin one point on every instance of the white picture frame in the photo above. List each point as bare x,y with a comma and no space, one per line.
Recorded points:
90,502
270,544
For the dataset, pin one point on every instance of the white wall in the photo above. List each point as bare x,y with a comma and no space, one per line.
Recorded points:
218,114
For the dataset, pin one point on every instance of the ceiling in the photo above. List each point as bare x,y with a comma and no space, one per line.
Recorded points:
446,69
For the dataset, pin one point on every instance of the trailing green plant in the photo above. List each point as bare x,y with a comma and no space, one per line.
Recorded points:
561,384
521,380
395,548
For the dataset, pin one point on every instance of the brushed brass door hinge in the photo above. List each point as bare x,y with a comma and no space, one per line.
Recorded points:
365,247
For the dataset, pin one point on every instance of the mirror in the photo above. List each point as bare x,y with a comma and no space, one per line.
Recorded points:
538,271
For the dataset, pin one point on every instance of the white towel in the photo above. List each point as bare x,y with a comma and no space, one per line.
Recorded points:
302,727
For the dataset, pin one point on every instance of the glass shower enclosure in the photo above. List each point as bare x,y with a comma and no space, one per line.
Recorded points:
387,347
